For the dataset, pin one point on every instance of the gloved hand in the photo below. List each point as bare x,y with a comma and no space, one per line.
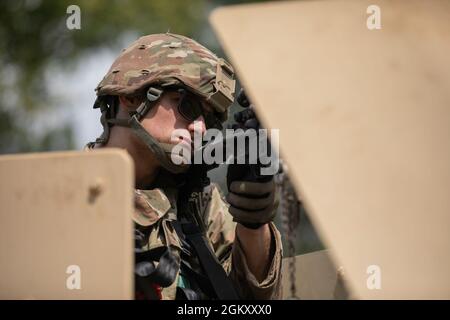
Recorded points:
251,197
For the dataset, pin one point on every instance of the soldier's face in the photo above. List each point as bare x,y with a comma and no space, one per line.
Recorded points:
164,118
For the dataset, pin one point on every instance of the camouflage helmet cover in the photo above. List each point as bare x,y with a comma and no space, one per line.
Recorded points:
170,60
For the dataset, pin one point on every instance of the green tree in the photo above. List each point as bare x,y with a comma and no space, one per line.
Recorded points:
34,34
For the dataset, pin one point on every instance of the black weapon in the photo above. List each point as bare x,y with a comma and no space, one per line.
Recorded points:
245,120
241,168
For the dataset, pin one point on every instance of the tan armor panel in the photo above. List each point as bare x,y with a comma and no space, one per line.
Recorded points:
364,119
316,277
65,225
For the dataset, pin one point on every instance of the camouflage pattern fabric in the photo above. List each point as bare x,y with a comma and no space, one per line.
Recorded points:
163,60
156,209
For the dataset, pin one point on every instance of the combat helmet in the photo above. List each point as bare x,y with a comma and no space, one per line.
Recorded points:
153,64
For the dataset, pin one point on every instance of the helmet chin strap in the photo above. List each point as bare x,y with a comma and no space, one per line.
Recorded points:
162,151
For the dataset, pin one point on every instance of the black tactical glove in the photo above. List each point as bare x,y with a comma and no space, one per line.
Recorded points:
251,197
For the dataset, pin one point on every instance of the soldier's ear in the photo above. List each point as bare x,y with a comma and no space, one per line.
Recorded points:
129,102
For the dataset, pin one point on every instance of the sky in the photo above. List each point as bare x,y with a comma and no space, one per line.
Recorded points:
74,91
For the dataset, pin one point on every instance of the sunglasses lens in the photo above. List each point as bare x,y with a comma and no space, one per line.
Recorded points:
189,108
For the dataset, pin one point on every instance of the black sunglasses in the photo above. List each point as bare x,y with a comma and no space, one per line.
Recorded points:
189,106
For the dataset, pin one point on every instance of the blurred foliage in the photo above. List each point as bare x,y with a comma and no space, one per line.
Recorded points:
33,35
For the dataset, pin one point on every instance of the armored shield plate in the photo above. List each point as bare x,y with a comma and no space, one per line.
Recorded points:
364,115
65,225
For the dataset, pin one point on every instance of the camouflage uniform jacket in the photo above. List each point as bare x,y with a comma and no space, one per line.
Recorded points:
156,209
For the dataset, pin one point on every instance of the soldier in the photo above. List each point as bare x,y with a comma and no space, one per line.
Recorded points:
189,242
